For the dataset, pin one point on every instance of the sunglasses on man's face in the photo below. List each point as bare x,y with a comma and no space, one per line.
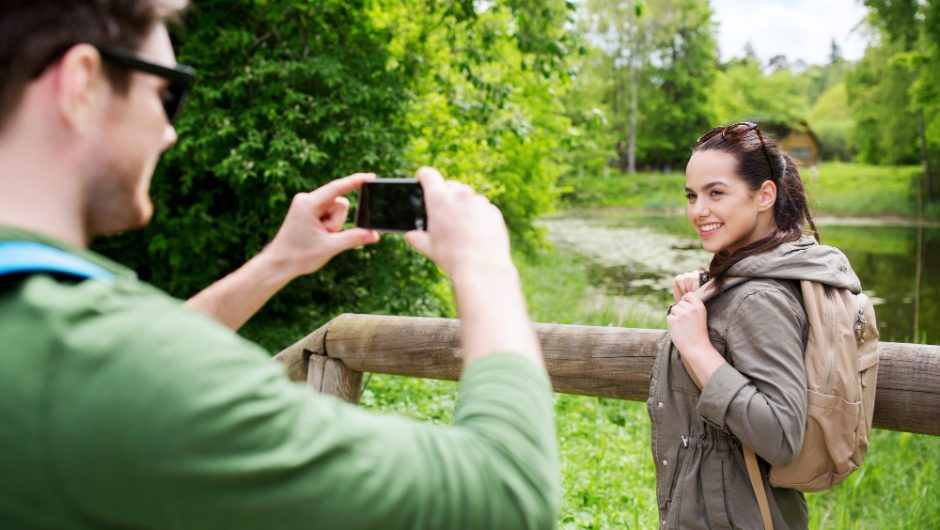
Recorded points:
180,77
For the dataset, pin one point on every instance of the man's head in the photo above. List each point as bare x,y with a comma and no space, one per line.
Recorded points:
101,118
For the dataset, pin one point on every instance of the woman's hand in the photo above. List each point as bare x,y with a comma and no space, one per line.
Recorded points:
688,328
685,283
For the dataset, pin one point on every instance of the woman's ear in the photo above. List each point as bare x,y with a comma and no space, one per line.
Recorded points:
766,196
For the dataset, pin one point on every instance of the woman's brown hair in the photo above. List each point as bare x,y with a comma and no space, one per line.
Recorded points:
760,159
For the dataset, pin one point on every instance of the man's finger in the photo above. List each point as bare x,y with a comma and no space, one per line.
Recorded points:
430,179
460,189
335,214
340,187
420,240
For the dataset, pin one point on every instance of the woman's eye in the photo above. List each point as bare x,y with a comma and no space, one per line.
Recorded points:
690,197
715,193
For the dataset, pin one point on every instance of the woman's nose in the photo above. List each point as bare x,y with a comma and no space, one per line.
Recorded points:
700,210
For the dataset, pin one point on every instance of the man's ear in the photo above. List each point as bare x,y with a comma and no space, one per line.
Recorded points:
82,88
767,196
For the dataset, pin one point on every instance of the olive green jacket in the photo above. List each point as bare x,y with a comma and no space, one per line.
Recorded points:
122,408
758,398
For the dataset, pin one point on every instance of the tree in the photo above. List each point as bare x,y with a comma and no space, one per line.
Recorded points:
294,93
489,96
831,120
624,35
679,77
835,53
910,43
879,92
743,92
659,102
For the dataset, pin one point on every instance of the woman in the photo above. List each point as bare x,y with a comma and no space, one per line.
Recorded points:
745,346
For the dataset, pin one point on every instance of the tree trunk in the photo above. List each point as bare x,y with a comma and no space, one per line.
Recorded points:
631,146
928,178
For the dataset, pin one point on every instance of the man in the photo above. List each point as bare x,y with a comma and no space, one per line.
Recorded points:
122,407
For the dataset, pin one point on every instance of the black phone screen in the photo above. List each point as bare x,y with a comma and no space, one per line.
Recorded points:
392,204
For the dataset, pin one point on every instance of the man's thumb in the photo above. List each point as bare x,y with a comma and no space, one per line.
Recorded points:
354,237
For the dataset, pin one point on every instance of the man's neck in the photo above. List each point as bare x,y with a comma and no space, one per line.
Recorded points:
37,194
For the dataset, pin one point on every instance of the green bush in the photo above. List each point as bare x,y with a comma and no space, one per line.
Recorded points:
834,139
290,95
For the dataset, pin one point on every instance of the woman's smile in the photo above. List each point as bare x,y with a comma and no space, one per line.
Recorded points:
708,229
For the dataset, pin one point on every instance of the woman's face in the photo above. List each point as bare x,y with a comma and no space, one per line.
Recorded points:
726,213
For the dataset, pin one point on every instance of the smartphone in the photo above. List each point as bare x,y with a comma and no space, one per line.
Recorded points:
395,205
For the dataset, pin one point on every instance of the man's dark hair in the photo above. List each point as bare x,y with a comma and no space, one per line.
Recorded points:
35,33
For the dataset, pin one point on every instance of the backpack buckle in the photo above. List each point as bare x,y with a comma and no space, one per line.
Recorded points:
860,320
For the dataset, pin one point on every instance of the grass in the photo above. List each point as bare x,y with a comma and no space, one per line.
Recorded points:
841,189
857,189
606,463
607,467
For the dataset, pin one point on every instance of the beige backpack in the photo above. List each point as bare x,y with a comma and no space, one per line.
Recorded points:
841,370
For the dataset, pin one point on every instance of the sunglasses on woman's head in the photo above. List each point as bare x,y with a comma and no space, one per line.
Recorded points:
180,77
736,131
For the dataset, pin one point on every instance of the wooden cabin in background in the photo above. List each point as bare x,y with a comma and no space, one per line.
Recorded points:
797,139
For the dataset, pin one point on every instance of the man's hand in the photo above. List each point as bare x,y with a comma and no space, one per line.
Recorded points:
467,238
311,233
465,232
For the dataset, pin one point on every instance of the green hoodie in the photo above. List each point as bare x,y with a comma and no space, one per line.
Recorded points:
122,408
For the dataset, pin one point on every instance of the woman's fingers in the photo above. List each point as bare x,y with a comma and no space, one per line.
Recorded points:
684,283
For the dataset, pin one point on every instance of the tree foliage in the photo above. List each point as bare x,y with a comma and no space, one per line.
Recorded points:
668,48
489,110
884,129
292,94
900,74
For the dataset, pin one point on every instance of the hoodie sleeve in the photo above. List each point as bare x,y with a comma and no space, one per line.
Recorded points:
761,395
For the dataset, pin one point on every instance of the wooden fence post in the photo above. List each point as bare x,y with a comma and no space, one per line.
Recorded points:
307,361
330,376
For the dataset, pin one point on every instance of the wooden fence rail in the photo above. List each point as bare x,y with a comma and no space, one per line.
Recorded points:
587,360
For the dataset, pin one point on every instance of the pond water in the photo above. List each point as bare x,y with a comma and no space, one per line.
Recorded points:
634,258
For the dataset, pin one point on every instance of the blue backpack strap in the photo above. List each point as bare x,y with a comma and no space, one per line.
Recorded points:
23,257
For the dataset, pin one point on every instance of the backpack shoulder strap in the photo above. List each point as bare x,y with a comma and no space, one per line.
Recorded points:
26,257
705,293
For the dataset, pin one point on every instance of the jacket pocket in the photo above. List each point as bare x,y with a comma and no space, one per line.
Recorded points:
716,492
670,512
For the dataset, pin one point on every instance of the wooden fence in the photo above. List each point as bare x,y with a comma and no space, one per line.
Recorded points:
586,360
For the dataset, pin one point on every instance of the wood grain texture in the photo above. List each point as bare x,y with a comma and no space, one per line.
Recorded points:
587,360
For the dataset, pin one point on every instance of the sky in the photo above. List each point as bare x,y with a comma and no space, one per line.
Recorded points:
799,29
